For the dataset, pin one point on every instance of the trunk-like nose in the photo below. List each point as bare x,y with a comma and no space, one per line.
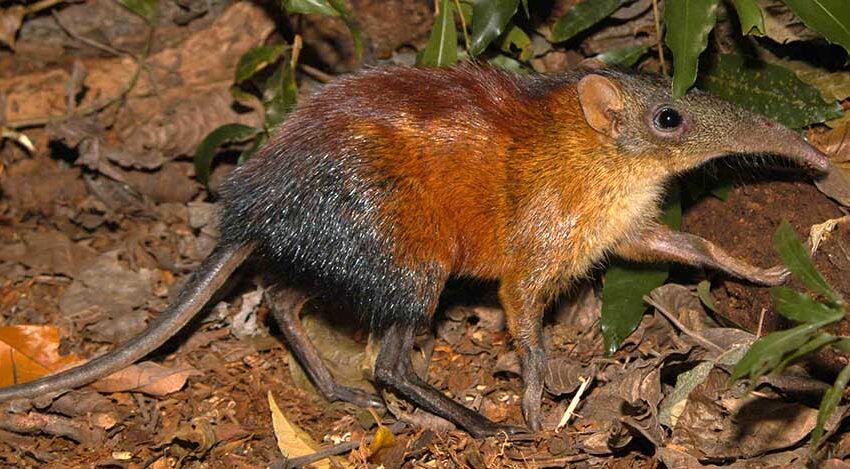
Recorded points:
777,140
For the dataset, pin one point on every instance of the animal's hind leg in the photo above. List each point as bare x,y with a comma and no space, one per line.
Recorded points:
285,305
394,369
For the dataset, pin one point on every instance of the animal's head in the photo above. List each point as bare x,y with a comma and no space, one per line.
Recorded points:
639,115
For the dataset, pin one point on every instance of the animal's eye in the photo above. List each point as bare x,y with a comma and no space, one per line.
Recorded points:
667,119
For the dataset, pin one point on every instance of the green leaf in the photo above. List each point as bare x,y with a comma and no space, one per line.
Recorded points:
280,95
582,16
228,133
622,299
704,293
722,189
802,308
253,148
517,38
350,22
508,63
831,399
767,89
625,57
767,352
750,16
627,283
828,17
257,59
489,18
819,340
329,8
842,344
147,9
794,254
688,24
441,50
317,7
525,8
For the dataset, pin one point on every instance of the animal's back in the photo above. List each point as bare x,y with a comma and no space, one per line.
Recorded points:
387,181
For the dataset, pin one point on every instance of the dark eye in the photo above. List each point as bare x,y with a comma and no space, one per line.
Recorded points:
667,119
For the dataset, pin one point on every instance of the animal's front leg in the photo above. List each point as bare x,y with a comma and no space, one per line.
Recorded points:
524,314
663,244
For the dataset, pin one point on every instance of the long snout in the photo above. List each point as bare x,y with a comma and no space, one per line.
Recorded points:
774,139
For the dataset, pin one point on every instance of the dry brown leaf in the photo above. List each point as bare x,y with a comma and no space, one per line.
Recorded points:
147,377
782,25
30,352
49,252
10,22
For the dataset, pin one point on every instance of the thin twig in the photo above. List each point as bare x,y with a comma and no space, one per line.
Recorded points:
316,74
89,42
675,321
40,121
658,36
761,322
462,24
574,402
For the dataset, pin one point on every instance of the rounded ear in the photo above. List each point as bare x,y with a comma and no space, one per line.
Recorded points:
601,100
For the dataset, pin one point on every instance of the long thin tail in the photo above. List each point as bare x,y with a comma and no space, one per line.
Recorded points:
200,287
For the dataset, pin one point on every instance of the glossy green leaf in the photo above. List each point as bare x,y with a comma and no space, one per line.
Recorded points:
206,151
257,59
750,16
626,284
316,7
508,63
767,89
813,345
351,23
767,352
688,24
842,344
525,8
626,56
283,100
794,254
704,293
831,399
329,8
489,19
147,9
441,50
801,308
253,148
516,38
582,16
828,17
622,299
722,189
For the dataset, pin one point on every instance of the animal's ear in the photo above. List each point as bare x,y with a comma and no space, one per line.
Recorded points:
601,101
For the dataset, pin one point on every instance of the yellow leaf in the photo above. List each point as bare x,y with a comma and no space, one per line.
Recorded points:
291,440
384,438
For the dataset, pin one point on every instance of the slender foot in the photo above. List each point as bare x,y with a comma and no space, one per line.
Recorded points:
533,359
285,305
394,370
770,277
